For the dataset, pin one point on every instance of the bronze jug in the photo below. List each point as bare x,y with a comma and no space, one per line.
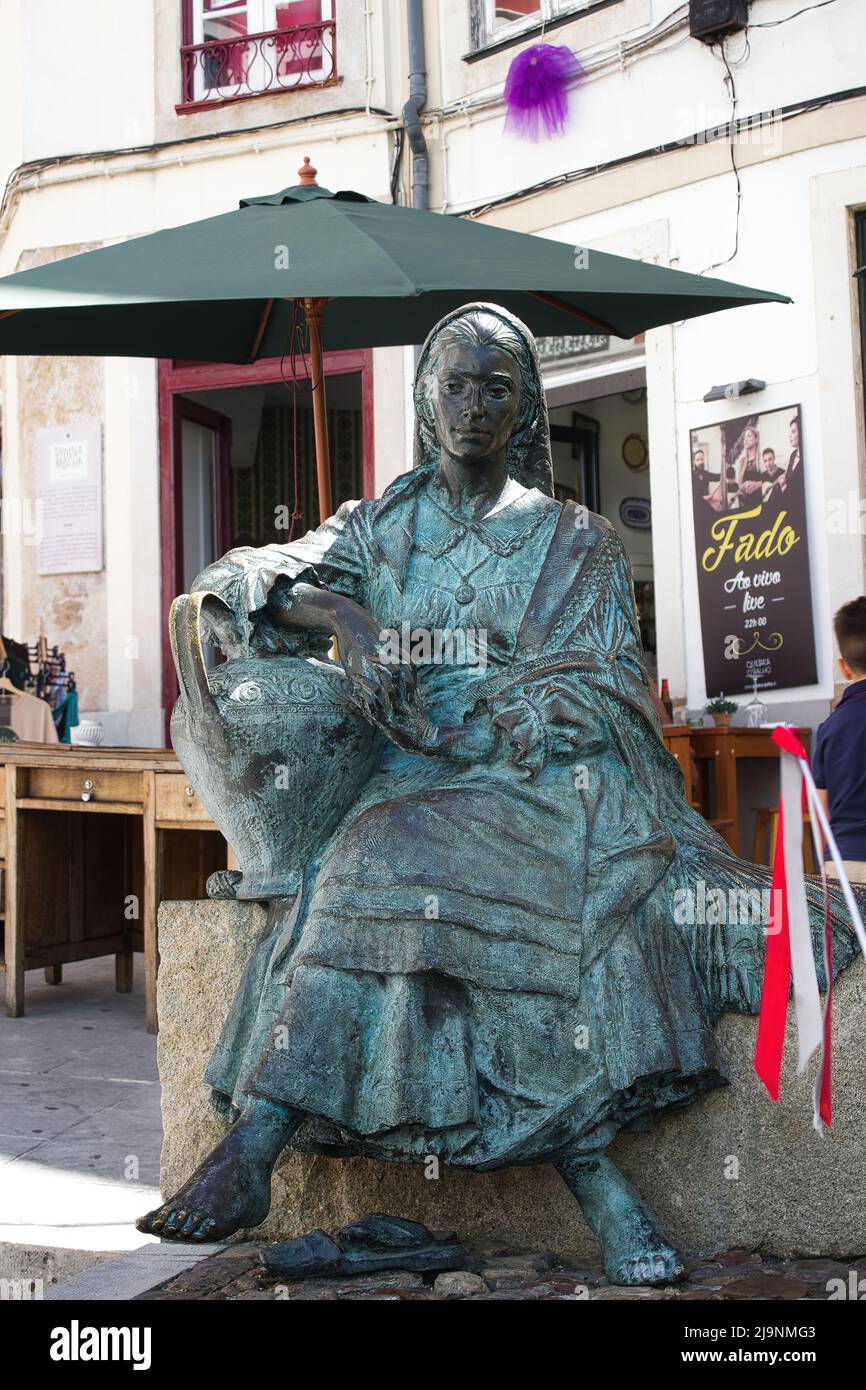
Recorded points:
272,746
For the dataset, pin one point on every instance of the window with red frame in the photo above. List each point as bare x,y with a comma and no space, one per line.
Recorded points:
496,20
242,48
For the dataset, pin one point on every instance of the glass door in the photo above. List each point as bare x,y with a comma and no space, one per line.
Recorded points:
203,443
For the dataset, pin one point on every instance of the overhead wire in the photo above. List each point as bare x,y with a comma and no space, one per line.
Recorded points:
774,23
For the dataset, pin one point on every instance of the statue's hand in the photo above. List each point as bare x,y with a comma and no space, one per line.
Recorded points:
220,628
473,741
548,719
383,689
226,630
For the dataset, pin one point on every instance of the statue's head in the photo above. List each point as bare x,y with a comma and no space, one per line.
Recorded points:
478,389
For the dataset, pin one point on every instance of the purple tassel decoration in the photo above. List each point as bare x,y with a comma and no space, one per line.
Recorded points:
536,90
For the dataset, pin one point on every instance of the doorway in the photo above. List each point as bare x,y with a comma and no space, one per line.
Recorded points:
601,459
202,449
238,464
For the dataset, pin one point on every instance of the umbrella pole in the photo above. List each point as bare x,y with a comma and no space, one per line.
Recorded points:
313,311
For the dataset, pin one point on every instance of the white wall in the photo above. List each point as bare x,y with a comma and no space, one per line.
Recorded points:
105,74
637,98
132,556
11,105
87,75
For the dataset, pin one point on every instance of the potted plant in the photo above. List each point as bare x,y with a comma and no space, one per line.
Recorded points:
721,709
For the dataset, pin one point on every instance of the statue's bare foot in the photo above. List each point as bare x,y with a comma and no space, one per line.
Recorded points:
224,1195
633,1250
658,1262
223,884
231,1189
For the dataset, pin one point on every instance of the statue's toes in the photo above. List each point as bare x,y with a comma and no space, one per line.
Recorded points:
174,1221
153,1221
667,1267
656,1267
223,884
188,1227
197,1225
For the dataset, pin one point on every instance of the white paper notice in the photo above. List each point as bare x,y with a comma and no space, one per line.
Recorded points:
70,498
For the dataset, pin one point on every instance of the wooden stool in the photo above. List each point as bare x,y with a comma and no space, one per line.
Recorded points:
767,829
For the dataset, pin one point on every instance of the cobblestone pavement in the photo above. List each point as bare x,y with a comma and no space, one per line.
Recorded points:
496,1272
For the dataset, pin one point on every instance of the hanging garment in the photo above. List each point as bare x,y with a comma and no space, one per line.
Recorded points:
66,716
18,661
27,717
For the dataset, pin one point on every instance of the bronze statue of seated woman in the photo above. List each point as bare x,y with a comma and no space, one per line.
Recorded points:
482,961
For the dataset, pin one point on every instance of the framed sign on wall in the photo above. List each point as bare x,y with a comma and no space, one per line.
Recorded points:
69,464
752,553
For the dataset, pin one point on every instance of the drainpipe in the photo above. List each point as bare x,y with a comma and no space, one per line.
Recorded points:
415,104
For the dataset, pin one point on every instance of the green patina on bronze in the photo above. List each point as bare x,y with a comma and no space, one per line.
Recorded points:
483,961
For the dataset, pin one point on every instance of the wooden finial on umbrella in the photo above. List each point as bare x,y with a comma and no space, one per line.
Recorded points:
307,173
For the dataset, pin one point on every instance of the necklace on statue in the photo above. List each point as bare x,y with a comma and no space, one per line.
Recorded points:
465,592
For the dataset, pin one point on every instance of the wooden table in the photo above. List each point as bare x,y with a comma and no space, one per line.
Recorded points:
94,839
677,741
721,749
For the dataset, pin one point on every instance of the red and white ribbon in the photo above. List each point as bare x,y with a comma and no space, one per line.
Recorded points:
789,937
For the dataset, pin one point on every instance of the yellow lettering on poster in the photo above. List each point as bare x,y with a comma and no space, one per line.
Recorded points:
744,545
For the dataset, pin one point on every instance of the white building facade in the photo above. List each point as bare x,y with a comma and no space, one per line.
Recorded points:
745,160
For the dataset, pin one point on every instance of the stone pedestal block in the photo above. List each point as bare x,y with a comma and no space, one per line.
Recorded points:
731,1170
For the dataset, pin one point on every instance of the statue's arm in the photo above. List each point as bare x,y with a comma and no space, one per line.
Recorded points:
295,598
251,580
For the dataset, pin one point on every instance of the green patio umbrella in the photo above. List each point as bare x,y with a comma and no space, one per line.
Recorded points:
367,274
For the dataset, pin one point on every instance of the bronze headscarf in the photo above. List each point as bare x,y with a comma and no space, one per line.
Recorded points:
528,450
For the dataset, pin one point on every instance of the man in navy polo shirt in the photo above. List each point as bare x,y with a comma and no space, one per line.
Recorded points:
839,762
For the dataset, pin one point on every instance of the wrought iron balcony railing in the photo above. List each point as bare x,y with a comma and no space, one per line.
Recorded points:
252,64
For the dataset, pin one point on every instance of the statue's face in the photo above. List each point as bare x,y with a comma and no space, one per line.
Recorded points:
475,399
